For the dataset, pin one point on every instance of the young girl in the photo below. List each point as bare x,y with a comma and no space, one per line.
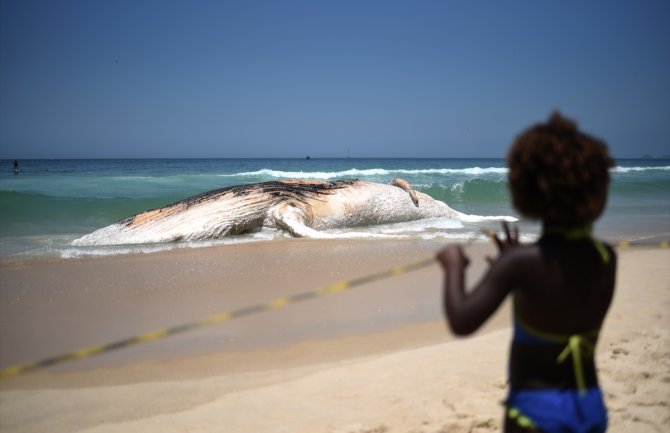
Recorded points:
561,286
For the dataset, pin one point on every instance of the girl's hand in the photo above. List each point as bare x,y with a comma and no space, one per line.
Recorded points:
453,256
510,240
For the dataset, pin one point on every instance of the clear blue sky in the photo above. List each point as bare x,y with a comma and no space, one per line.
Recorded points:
294,78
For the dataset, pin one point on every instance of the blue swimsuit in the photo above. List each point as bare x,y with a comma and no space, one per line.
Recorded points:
564,409
564,398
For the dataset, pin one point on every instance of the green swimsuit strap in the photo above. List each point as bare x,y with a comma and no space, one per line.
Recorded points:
552,337
578,346
579,233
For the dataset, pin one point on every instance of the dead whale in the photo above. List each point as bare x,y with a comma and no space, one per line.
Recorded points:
301,207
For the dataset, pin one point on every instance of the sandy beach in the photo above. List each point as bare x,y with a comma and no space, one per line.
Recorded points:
377,358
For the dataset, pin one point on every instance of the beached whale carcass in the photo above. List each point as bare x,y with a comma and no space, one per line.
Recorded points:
302,207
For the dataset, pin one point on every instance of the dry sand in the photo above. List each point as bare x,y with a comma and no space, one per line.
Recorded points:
374,359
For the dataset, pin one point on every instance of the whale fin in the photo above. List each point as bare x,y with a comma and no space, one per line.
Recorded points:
294,219
406,186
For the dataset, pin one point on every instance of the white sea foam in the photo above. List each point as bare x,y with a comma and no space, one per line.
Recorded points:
310,174
73,252
418,226
458,189
619,169
480,218
354,172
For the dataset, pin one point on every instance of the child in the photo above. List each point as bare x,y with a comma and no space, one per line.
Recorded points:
561,286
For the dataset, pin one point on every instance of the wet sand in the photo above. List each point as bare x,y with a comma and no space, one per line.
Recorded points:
377,358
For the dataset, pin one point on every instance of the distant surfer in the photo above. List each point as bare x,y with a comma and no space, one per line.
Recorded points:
16,167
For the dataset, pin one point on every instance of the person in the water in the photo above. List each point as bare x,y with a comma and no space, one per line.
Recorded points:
561,286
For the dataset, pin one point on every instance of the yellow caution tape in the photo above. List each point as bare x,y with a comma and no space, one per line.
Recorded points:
214,319
247,311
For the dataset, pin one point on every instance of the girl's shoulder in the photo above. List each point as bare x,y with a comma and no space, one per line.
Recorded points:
517,264
521,254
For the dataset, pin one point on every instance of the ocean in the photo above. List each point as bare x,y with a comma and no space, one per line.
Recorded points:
49,203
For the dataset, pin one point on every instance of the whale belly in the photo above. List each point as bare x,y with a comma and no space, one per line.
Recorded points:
367,204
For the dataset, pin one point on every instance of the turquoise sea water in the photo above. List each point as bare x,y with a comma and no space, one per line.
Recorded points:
51,202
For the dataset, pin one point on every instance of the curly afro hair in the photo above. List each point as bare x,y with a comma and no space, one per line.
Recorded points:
558,174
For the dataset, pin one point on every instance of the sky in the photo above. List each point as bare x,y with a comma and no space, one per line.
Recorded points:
223,79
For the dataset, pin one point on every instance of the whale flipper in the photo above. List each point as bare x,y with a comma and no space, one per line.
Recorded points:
295,219
406,186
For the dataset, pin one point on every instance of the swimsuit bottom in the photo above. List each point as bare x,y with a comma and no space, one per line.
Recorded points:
559,410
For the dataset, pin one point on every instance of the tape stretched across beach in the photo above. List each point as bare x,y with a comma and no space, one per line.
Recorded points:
214,319
246,311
